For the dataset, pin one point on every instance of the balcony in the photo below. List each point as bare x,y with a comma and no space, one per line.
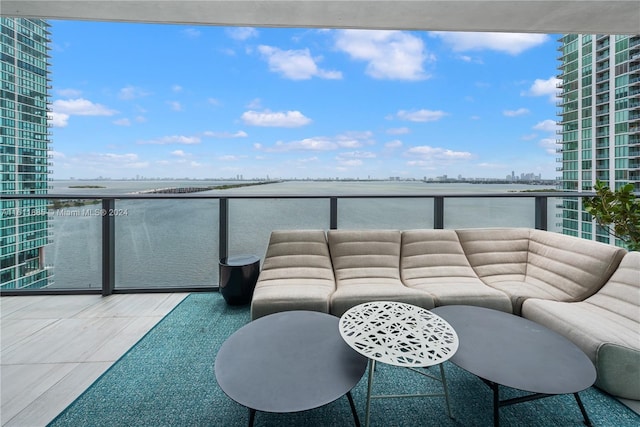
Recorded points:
123,239
87,334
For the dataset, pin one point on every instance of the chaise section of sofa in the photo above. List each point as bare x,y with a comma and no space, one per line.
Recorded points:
433,261
606,326
366,265
526,263
296,274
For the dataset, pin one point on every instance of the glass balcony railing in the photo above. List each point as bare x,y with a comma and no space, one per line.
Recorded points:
172,242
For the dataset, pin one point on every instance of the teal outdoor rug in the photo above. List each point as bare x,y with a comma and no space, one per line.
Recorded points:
167,379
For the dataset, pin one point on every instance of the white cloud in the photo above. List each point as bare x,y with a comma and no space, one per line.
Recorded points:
288,119
132,92
173,139
349,163
435,153
80,107
105,161
178,153
393,55
229,158
549,145
516,113
357,155
322,143
175,105
241,33
511,43
486,165
396,143
312,144
176,88
122,122
547,87
238,134
295,64
420,115
308,160
255,104
69,93
57,120
192,33
398,131
547,126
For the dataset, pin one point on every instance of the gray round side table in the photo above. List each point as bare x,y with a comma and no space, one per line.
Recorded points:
238,277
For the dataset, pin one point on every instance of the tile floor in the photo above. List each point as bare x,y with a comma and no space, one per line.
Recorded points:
53,347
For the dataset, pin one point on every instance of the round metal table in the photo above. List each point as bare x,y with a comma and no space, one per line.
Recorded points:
508,350
399,334
288,362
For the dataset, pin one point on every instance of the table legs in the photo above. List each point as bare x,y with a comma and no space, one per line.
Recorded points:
442,379
372,367
356,420
587,421
497,403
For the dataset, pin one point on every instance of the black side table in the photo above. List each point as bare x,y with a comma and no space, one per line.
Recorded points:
238,277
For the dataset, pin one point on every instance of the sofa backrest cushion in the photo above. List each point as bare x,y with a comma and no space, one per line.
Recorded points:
372,256
621,294
578,267
297,254
496,254
429,254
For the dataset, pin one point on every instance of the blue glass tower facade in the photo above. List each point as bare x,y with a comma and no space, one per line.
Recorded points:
24,151
599,119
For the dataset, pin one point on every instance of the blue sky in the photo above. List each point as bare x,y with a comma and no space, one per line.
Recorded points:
213,102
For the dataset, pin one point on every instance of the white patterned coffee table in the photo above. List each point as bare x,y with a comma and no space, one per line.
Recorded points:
402,335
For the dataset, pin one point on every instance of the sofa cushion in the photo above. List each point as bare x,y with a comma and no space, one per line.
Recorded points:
296,274
574,266
496,254
366,265
433,261
605,326
621,293
527,263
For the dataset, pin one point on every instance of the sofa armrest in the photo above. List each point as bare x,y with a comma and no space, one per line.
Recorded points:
618,370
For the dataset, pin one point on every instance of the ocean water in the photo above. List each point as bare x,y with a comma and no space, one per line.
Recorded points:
171,243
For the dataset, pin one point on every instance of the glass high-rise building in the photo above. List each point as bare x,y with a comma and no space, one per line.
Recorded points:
24,156
599,119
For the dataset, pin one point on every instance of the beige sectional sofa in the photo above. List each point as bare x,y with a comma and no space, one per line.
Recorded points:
576,287
606,326
296,274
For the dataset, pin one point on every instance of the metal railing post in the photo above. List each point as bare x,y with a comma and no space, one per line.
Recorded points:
333,213
223,237
541,213
438,212
108,246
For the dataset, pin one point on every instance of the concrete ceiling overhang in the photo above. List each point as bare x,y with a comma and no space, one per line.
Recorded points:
526,16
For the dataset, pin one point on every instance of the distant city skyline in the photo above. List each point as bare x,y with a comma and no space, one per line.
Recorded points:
240,177
201,101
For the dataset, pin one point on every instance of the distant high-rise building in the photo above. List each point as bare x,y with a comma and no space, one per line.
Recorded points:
600,121
24,157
